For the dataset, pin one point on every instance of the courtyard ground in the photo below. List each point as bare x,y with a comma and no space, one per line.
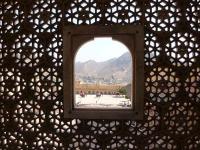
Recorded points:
105,101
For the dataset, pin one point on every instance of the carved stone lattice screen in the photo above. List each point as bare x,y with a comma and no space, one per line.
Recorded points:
31,83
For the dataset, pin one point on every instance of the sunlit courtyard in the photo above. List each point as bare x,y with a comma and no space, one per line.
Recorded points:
103,101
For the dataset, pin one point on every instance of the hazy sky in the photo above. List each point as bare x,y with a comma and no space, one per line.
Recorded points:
100,49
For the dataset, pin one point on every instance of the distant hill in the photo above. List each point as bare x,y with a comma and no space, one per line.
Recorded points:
116,70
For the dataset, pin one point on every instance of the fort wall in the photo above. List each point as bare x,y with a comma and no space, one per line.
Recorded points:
93,88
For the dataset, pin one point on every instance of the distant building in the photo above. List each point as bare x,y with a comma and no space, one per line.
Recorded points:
93,88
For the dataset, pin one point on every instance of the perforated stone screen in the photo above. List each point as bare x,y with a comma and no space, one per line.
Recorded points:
31,80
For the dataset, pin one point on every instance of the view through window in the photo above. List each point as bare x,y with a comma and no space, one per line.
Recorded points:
103,75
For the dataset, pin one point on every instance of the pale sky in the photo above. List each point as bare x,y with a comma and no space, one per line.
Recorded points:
100,49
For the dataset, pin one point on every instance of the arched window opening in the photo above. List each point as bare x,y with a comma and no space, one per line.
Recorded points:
105,67
103,72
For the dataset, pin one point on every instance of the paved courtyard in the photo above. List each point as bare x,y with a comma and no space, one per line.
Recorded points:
105,101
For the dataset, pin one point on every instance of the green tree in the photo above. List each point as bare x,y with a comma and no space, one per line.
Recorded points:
122,91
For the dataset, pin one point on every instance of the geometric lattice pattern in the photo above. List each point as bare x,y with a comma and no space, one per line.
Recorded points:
31,79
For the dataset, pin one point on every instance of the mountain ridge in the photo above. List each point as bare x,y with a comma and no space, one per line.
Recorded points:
112,71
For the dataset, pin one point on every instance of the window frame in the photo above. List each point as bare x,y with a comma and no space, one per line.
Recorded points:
130,35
